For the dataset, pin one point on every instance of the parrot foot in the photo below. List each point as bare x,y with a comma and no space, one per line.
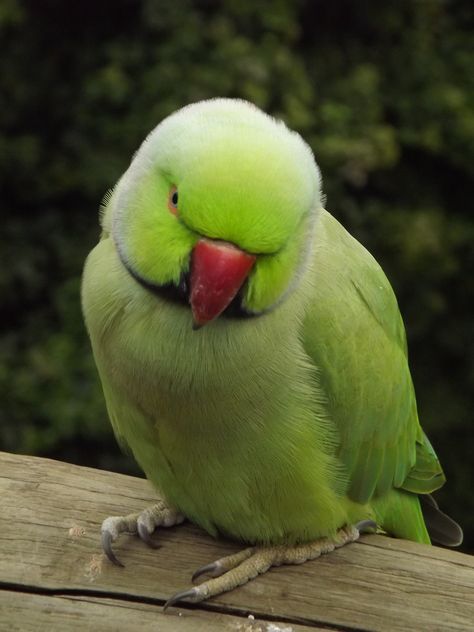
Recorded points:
142,524
235,570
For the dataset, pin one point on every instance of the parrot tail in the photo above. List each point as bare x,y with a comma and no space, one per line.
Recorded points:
442,529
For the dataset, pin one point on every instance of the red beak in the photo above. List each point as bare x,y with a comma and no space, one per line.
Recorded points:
218,271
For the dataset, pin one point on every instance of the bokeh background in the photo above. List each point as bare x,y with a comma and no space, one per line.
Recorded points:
383,92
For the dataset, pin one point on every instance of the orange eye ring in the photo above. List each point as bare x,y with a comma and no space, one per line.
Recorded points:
173,200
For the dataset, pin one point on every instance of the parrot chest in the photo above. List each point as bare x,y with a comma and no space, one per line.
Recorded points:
233,442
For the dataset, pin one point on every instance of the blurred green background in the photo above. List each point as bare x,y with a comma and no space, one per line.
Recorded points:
383,92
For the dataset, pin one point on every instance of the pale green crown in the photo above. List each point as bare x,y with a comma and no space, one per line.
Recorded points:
241,176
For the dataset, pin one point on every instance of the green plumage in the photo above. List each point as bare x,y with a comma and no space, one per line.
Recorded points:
277,427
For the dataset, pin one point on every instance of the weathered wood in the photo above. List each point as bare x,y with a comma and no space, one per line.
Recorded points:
54,576
33,612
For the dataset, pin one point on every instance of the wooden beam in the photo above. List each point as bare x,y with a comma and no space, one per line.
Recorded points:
53,574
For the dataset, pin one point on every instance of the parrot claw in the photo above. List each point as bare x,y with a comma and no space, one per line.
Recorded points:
143,524
214,569
107,539
237,569
192,595
224,564
145,536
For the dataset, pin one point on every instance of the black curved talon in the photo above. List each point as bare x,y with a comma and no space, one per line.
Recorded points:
146,537
191,594
211,569
366,526
106,539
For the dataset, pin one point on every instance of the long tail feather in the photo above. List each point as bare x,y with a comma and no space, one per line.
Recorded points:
442,529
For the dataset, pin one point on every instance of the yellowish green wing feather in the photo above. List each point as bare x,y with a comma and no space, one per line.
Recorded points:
355,335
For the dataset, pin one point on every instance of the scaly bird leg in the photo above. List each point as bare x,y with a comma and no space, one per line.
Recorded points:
235,570
142,523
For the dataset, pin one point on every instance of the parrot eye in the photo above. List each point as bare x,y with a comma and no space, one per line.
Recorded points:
173,200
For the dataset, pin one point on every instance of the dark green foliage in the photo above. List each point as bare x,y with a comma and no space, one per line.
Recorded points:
382,91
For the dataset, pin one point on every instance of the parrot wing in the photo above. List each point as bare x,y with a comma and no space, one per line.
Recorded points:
355,336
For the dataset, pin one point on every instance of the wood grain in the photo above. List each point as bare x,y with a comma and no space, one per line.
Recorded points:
54,575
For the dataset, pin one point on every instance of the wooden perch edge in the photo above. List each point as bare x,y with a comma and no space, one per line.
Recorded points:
53,574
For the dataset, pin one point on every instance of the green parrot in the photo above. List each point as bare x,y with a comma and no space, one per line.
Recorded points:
251,352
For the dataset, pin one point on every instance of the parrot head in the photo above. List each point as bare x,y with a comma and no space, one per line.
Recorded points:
217,210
